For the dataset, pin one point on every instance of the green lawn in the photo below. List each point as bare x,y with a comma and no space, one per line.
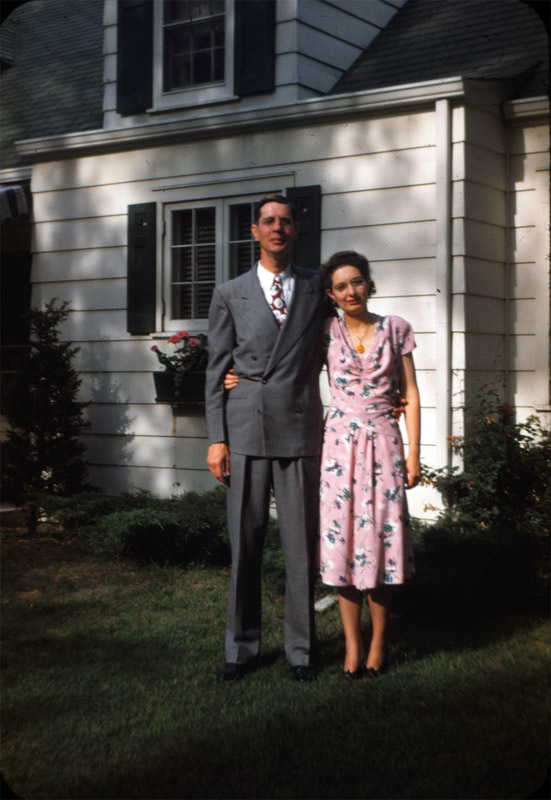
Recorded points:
109,692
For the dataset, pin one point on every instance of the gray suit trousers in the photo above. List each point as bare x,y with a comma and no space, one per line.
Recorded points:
295,482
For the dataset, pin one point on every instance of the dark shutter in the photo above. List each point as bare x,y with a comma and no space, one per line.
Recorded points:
254,42
141,268
134,56
307,202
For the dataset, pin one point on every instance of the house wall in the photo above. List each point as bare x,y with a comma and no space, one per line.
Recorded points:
378,196
479,300
382,187
316,41
528,311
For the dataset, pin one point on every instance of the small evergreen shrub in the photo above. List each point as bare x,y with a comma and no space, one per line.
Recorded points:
43,451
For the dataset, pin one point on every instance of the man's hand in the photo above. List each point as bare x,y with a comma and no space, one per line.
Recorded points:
400,408
230,380
218,460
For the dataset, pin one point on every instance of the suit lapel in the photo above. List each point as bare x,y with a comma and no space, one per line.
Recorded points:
256,311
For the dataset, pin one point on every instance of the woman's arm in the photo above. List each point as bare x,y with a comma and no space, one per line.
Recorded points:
409,390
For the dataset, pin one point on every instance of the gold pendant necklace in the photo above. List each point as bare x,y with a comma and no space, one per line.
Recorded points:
360,348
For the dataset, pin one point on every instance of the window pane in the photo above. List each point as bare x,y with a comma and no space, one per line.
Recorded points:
193,264
194,40
181,227
244,251
181,265
181,302
240,221
205,263
204,294
205,221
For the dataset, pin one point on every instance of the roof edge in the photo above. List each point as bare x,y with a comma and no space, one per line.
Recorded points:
527,108
328,108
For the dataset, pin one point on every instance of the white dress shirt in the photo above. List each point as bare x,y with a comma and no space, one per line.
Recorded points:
266,279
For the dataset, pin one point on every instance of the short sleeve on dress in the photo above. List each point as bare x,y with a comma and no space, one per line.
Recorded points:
402,335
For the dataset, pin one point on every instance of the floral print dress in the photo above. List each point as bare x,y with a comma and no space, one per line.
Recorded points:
365,536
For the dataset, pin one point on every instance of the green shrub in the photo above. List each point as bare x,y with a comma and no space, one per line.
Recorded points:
506,476
43,450
179,530
489,547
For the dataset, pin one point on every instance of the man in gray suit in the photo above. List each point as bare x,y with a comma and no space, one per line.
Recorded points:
266,433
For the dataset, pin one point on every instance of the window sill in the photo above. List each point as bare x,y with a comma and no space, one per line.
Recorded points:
190,103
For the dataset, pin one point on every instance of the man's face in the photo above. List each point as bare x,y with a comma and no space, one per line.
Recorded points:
275,230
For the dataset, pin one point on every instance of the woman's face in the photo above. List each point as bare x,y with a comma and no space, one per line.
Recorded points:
349,290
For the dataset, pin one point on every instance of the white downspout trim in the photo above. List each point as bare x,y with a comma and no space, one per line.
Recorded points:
443,281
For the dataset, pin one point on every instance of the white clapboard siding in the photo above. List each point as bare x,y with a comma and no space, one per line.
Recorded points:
327,48
523,243
116,387
522,352
524,280
415,275
525,202
81,265
479,240
379,206
81,234
162,482
384,242
95,201
522,316
480,202
115,355
353,173
200,161
147,451
479,277
155,419
419,311
478,351
480,127
531,138
480,165
477,314
91,295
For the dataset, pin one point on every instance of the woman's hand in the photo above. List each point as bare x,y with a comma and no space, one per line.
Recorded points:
230,380
413,468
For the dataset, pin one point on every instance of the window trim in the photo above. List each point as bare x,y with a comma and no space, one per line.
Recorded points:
222,204
205,93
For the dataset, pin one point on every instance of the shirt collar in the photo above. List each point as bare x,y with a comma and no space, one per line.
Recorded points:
266,277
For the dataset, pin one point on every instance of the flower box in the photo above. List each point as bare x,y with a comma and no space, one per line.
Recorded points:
189,389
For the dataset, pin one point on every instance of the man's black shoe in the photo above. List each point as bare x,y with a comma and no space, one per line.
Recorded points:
304,674
230,672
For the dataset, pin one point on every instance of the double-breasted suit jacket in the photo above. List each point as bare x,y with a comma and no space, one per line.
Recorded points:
272,424
275,410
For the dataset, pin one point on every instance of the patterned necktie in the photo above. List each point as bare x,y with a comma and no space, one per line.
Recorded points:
278,301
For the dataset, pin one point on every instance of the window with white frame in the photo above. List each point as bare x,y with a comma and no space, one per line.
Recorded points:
194,51
206,243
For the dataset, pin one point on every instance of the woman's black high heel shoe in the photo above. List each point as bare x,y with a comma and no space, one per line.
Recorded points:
371,672
353,674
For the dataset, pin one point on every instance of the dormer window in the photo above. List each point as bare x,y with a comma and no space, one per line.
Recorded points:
192,53
193,43
179,54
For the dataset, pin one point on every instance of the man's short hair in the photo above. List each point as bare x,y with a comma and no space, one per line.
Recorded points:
273,198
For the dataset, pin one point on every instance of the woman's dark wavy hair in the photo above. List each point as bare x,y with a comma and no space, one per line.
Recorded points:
347,258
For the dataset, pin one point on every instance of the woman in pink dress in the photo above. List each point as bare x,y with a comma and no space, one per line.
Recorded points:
365,537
